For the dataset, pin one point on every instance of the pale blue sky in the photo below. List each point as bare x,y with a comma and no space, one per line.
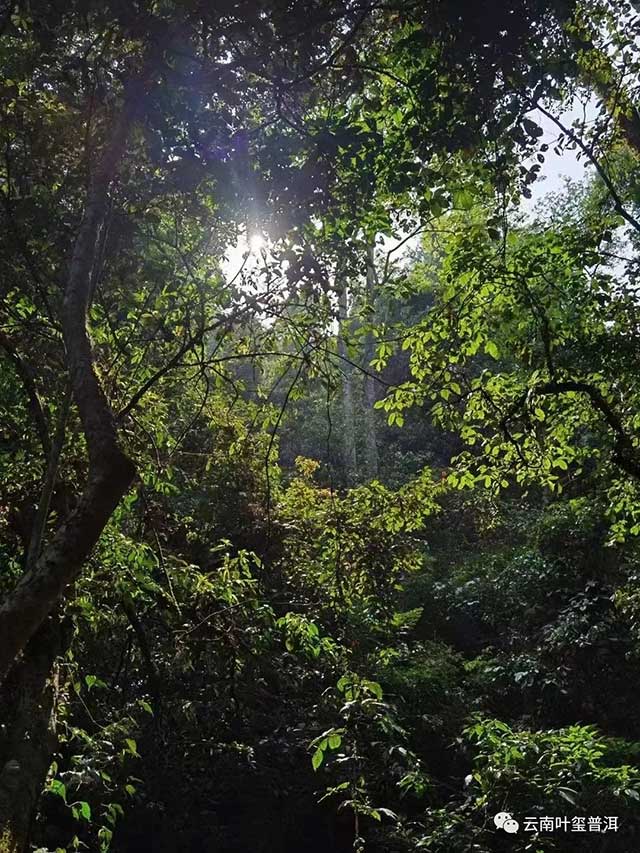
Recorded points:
557,168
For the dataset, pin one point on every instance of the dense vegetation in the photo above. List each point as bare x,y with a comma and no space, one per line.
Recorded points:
319,443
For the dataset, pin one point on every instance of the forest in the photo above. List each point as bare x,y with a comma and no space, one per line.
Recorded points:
319,426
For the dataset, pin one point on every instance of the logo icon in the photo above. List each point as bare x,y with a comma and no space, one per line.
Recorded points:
504,820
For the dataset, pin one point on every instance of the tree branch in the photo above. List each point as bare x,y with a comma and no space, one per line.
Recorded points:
51,475
624,451
26,374
110,470
617,201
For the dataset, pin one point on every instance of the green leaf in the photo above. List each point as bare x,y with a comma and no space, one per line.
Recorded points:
569,794
388,813
532,128
132,745
374,688
58,788
491,348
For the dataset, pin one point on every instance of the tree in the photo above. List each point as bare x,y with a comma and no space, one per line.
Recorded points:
140,145
130,68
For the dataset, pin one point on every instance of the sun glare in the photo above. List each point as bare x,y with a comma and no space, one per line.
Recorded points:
256,242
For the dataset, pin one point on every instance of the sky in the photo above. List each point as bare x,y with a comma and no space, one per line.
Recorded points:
558,168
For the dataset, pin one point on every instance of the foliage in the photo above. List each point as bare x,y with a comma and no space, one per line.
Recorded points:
319,449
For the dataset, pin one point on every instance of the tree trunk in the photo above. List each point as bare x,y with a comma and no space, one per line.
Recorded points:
27,735
349,453
369,385
110,471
